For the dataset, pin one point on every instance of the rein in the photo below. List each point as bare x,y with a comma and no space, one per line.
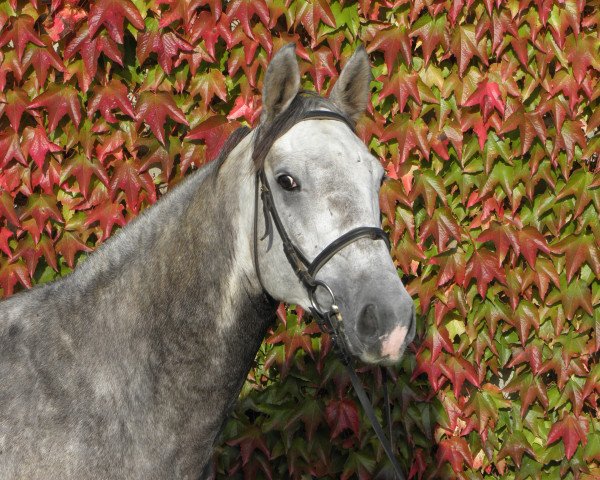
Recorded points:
329,321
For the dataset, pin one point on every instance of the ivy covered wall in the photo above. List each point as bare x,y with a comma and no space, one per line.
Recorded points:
485,115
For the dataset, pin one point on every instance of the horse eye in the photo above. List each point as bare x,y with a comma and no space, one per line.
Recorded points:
286,182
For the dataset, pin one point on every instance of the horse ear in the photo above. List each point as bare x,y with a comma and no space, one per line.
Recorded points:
351,91
282,82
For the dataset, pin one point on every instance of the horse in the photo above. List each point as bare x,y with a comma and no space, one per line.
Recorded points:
129,366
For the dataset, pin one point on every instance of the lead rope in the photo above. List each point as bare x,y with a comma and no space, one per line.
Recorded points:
334,319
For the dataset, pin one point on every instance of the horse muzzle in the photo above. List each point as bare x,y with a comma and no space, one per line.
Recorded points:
375,328
384,332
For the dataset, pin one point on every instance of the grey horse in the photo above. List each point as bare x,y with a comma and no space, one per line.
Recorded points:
129,367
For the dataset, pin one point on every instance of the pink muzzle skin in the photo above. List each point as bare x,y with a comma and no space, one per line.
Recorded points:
392,344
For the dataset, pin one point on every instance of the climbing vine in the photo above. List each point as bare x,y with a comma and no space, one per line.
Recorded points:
485,114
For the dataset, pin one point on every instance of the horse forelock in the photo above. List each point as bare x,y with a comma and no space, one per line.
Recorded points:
267,133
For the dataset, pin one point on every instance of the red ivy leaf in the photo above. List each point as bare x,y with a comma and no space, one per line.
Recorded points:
436,340
204,28
36,144
432,32
65,21
488,97
185,10
570,135
392,41
572,430
310,13
90,48
208,85
581,186
530,125
502,236
112,14
545,271
10,148
7,208
429,187
107,214
213,131
409,134
442,226
153,109
401,85
322,66
452,267
580,52
47,178
465,44
564,366
42,59
579,249
456,451
22,32
109,97
426,364
5,234
246,108
564,82
243,10
457,370
111,146
425,289
531,242
342,415
68,245
515,446
31,252
128,178
59,100
531,354
530,388
165,45
16,103
83,167
11,64
483,267
251,439
41,207
11,273
525,317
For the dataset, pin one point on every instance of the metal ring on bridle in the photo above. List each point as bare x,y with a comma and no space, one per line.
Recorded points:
315,303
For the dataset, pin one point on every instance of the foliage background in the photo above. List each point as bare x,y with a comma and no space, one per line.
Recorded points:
485,114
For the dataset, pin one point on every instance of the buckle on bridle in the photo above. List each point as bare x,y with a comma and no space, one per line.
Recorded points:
334,310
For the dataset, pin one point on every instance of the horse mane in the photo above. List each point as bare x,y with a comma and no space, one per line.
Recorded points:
267,133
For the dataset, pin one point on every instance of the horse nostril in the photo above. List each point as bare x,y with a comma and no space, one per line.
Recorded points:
367,322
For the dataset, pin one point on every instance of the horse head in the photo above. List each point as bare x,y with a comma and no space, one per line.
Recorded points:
322,187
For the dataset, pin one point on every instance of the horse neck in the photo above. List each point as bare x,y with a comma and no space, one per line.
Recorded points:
181,287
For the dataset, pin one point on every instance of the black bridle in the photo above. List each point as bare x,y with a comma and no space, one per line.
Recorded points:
329,321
